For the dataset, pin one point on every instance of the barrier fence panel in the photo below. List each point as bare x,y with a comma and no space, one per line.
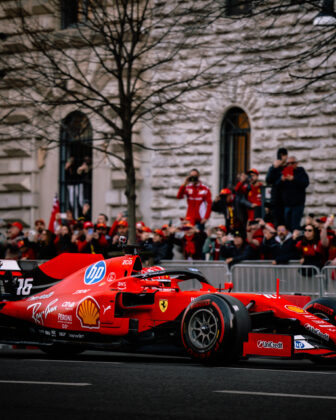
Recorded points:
329,280
262,278
216,272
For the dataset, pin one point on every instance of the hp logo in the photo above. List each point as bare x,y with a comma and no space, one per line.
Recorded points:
95,273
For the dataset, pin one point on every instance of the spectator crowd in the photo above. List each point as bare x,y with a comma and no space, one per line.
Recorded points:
249,230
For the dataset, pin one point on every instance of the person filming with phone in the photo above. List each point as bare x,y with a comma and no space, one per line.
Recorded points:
293,183
198,199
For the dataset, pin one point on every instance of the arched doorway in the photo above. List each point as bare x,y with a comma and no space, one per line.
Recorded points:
234,146
75,163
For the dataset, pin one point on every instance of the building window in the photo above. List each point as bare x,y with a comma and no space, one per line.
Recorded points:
238,7
234,146
75,163
73,12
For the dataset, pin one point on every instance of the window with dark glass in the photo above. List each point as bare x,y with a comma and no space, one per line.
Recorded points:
234,146
75,163
73,12
238,7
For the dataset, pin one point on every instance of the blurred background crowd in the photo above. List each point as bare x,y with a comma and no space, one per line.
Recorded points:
250,228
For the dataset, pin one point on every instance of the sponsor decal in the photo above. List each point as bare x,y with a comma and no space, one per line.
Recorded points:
300,343
317,332
112,276
40,317
279,345
106,308
95,273
295,309
270,296
201,303
68,305
41,297
322,308
88,312
163,305
121,285
65,318
80,336
261,344
81,291
127,262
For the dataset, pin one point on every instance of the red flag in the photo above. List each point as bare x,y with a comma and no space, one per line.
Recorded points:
54,211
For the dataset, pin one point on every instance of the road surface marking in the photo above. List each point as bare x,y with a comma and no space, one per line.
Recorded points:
277,394
281,370
46,383
72,361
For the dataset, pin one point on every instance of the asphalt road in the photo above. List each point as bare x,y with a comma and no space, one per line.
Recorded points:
125,386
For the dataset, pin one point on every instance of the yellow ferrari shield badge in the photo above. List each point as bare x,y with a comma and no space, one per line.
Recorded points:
163,303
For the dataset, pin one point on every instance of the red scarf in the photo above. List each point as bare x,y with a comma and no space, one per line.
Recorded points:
189,248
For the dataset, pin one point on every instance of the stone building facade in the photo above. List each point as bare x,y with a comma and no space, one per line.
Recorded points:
195,135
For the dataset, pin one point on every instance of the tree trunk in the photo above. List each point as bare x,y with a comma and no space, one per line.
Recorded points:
130,188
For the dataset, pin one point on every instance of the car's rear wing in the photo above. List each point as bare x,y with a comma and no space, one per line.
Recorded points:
20,279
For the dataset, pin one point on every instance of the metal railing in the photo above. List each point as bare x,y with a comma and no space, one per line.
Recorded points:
260,276
328,274
294,279
216,272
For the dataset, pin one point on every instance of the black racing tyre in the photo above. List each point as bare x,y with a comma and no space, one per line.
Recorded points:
214,328
61,350
324,308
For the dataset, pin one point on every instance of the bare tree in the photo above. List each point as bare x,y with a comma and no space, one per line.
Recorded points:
304,50
111,61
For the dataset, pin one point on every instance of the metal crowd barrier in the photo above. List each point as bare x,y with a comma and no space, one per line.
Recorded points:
216,272
294,279
329,280
260,276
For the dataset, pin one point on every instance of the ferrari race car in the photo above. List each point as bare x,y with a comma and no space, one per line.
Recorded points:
76,302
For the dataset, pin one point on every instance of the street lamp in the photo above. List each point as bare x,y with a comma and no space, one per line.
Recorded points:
327,15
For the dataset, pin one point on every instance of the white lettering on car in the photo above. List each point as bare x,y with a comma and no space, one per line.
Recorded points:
38,316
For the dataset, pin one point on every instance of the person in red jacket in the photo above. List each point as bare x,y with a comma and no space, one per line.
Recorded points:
249,186
310,249
198,199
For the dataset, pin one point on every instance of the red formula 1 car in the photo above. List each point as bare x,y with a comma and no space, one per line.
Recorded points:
77,302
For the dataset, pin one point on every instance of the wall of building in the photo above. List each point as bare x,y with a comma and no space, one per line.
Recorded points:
188,137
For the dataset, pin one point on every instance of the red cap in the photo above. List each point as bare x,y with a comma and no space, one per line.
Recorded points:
123,223
165,226
186,219
188,225
159,232
222,227
39,221
146,229
88,225
17,224
225,191
254,171
101,225
322,219
270,226
139,225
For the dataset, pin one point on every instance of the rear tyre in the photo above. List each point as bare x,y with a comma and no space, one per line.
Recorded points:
324,308
214,328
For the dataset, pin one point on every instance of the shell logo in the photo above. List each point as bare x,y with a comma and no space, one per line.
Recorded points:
88,312
295,309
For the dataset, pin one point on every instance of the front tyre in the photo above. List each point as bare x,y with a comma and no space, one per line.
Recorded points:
324,308
214,328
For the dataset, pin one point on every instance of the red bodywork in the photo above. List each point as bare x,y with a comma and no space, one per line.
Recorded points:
106,299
